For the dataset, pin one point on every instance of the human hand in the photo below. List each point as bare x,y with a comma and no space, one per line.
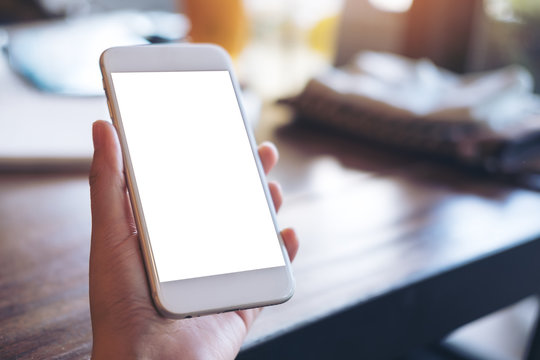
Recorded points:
125,323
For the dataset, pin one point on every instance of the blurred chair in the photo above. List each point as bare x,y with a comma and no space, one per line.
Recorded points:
441,30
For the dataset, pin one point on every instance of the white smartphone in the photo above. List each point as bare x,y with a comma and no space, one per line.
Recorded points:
205,217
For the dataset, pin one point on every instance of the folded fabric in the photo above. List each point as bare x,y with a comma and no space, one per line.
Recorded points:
484,119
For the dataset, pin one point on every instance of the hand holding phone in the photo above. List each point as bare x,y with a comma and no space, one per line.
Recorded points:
124,321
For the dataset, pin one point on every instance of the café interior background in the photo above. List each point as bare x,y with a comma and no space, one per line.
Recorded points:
501,33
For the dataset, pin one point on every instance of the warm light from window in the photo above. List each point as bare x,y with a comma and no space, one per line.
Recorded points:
392,5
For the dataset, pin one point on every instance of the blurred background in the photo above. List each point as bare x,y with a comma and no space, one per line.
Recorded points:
462,36
277,46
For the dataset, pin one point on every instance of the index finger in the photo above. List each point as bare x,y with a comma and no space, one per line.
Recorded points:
269,155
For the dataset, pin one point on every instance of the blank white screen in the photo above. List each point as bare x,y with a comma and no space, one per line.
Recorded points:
202,198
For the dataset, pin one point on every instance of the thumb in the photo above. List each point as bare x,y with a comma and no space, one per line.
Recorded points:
110,204
115,265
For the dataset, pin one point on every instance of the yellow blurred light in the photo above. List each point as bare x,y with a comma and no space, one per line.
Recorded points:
392,5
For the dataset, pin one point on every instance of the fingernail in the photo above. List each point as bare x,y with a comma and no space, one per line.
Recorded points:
271,145
278,186
96,135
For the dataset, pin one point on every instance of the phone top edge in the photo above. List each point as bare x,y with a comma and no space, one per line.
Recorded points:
165,57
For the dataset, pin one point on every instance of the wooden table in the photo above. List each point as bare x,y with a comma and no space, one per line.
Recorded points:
44,249
396,251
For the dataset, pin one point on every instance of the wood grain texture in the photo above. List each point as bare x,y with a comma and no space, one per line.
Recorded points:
44,248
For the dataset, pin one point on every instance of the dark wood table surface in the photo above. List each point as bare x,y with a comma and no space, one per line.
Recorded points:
395,252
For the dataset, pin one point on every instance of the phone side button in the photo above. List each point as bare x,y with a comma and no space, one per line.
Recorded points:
109,107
